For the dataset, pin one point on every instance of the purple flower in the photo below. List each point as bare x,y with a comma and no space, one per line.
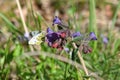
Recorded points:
55,39
92,36
76,34
49,30
56,20
52,37
105,40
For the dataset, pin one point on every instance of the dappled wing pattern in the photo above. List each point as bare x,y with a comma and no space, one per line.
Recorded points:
37,39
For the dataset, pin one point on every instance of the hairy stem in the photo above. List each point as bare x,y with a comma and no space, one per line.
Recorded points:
81,59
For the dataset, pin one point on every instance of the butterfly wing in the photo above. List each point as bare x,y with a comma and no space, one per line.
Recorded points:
37,39
33,33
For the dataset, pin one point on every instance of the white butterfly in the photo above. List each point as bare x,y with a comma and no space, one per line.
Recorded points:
37,39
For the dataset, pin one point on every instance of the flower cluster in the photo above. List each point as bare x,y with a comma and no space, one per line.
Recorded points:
56,39
59,39
84,40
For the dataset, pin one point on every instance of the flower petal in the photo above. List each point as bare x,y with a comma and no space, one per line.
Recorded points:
105,40
56,20
52,37
92,36
49,30
76,34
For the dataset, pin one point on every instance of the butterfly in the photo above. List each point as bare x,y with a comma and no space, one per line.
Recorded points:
33,33
37,39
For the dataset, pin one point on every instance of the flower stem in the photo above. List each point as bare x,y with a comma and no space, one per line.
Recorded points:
21,15
81,59
23,22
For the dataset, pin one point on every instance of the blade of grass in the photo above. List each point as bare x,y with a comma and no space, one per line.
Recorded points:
92,20
21,15
114,21
34,16
115,16
39,18
23,22
92,16
9,24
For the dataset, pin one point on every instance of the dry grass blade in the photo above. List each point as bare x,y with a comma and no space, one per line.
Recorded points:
21,14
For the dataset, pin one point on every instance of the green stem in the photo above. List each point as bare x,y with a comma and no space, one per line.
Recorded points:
92,20
92,17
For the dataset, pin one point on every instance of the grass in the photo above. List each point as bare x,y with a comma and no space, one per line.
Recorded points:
18,61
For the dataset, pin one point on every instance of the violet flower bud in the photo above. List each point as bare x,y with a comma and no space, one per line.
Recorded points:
92,36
